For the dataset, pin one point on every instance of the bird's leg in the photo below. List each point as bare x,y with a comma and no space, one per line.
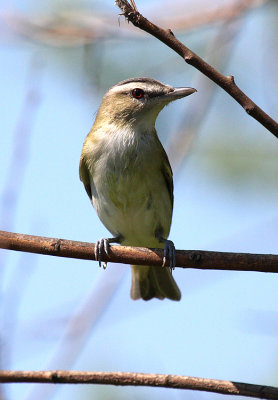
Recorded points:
103,245
169,251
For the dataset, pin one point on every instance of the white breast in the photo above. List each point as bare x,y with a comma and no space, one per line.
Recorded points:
129,191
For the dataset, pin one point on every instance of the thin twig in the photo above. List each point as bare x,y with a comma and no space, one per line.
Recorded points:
226,82
199,259
141,379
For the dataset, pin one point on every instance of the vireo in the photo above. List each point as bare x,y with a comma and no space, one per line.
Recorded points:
129,181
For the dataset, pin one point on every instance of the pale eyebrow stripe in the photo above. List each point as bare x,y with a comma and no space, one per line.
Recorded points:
127,87
156,90
141,80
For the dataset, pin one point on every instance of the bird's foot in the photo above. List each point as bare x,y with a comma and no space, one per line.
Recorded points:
169,251
102,247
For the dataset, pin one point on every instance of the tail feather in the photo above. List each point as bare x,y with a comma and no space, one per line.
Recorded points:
150,282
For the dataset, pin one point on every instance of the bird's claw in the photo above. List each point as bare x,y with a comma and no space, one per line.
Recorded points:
102,246
169,251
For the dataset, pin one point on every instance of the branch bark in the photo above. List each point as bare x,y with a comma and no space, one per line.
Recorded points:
225,82
199,259
141,379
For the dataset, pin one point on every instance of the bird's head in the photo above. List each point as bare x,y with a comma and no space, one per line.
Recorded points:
137,101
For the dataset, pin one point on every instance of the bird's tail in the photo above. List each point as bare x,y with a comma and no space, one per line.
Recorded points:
149,282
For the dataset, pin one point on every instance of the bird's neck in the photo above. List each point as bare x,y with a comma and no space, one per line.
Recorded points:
126,120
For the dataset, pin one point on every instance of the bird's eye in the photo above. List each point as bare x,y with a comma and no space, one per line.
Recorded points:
137,93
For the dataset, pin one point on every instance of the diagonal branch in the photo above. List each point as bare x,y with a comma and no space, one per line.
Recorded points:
199,259
142,379
225,82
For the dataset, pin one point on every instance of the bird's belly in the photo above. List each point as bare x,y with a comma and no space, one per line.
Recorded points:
129,206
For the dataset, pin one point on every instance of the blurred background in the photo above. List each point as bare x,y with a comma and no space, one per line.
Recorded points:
58,58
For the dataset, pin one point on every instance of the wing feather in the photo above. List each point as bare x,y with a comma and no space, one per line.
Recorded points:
168,176
84,175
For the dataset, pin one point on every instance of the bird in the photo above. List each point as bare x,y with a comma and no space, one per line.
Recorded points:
128,178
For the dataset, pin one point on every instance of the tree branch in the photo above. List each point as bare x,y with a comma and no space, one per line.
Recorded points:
141,379
199,259
225,82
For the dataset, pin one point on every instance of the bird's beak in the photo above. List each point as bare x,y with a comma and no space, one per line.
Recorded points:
178,93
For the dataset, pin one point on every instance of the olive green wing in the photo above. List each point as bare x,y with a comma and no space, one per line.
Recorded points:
168,176
84,175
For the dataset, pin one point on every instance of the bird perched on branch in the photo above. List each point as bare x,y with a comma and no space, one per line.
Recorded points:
128,178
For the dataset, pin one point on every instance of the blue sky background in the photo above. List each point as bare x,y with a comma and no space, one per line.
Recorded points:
226,194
